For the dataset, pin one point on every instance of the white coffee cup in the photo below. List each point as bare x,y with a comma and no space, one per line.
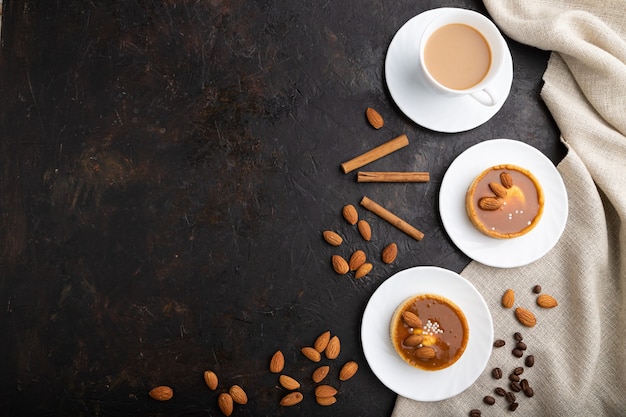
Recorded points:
482,91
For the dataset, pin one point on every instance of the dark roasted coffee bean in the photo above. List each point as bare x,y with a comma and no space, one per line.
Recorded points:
515,386
524,384
474,413
513,406
496,373
489,400
514,378
517,353
500,391
518,336
530,361
499,343
510,397
529,392
521,345
518,371
537,289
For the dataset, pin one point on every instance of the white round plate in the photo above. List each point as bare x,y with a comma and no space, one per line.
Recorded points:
502,253
418,102
389,367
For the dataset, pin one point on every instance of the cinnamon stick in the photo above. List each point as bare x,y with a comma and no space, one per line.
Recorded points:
375,153
392,176
392,218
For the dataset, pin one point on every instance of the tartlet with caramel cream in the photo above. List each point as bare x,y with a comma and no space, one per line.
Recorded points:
429,332
505,201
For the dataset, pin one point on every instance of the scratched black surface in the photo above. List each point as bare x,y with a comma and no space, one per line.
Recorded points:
167,168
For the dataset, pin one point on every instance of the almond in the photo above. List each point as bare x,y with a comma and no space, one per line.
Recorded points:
348,370
334,348
413,340
326,401
320,373
546,301
390,253
425,352
322,341
363,270
357,259
161,393
350,214
323,391
340,265
210,378
365,230
489,203
225,403
238,394
288,382
291,399
508,298
332,238
526,317
498,189
374,118
506,179
411,319
277,363
311,354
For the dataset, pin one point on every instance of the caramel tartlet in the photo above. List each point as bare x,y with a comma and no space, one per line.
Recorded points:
505,201
429,332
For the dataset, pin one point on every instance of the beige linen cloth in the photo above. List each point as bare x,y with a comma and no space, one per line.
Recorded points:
580,346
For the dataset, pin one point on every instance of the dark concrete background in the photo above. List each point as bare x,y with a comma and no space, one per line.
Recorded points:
167,168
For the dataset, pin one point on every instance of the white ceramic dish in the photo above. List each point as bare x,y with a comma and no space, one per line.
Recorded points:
503,253
418,102
398,375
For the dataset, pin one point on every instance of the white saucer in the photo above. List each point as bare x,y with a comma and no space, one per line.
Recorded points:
398,375
422,105
503,253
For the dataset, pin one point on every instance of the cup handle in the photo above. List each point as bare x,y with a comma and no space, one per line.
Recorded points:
486,97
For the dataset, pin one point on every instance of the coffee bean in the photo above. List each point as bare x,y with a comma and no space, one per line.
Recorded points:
489,400
530,361
518,336
529,392
517,353
500,391
515,386
499,343
510,397
474,413
496,373
514,378
513,406
524,384
537,289
518,371
521,345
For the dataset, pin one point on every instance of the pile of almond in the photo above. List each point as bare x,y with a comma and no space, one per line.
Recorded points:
226,400
499,190
326,346
416,340
524,315
357,262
